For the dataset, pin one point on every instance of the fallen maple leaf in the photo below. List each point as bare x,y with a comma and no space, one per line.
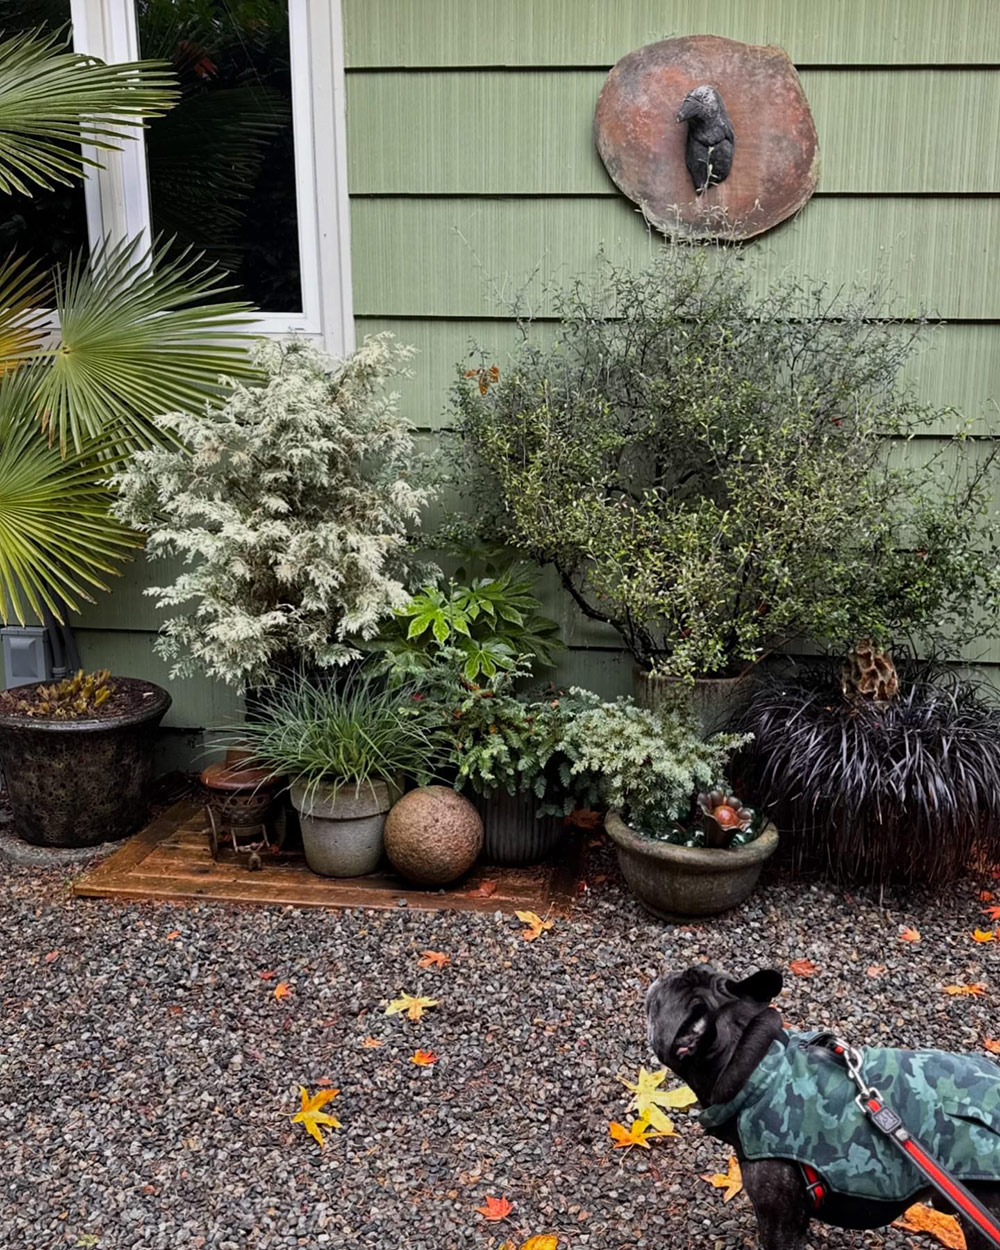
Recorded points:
487,889
536,925
495,1209
267,975
803,967
983,935
51,957
908,934
544,1241
986,896
639,1133
433,959
312,1115
992,1046
413,1005
731,1181
875,970
648,1099
424,1058
992,912
944,1228
281,990
174,933
965,991
371,1043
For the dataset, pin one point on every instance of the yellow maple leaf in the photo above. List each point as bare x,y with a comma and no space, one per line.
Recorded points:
965,991
412,1004
536,925
312,1115
983,935
544,1241
648,1099
639,1133
731,1181
945,1228
908,934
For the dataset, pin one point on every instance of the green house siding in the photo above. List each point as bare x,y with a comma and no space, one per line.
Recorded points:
471,161
470,158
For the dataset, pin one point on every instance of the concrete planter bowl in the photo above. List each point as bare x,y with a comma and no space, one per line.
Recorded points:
677,881
342,827
78,783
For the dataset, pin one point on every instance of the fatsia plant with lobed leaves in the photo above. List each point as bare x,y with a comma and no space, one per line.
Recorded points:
134,333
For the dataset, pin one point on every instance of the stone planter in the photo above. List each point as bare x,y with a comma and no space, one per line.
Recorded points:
714,702
342,830
75,783
513,834
677,881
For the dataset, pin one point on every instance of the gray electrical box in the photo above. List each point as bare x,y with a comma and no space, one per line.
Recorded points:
27,655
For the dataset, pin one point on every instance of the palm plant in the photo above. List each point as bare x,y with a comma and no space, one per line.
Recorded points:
134,335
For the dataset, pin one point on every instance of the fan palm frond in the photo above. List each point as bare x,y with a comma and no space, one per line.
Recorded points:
138,337
58,539
52,101
22,287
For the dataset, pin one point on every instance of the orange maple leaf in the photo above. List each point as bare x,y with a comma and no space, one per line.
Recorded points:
731,1181
965,991
487,889
544,1241
51,957
282,990
433,959
983,935
875,970
495,1209
424,1058
986,896
371,1043
803,967
174,933
992,912
908,934
536,925
944,1228
267,975
992,1046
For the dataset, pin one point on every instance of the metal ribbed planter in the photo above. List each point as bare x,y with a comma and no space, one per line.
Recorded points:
512,833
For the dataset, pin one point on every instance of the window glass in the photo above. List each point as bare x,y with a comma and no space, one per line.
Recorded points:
221,163
49,226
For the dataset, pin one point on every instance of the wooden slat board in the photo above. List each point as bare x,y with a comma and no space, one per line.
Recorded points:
529,132
170,859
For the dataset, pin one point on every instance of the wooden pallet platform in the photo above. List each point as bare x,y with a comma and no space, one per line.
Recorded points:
170,859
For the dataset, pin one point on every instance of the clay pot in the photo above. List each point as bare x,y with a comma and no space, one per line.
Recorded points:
81,782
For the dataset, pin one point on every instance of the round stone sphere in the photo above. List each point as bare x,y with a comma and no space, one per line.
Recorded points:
433,835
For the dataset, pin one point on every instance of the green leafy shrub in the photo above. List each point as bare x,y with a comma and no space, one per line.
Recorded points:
494,623
713,470
291,505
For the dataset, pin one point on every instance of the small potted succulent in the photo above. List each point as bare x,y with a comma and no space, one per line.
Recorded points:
77,757
686,847
346,749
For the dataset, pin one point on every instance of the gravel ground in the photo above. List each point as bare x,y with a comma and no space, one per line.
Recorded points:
147,1071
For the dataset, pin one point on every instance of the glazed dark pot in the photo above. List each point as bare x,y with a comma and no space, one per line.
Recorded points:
83,782
512,832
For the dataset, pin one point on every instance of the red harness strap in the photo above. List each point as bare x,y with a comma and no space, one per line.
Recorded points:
815,1188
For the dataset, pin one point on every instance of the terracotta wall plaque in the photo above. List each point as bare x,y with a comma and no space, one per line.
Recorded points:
775,158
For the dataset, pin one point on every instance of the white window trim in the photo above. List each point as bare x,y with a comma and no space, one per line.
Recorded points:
117,195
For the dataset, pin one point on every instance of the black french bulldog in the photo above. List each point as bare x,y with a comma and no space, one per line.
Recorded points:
752,1078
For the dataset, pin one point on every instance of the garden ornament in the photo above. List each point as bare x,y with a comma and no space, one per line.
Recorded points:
809,1124
708,153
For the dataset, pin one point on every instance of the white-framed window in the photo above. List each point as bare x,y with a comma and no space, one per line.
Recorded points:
284,232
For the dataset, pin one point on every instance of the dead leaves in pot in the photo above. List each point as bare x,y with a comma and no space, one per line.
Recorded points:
413,1004
536,925
730,1181
944,1228
311,1115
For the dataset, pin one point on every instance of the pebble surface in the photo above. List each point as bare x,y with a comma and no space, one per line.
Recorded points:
148,1073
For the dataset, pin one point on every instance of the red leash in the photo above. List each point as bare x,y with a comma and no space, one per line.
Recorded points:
891,1126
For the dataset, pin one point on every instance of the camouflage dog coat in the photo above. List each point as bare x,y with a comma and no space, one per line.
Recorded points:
798,1104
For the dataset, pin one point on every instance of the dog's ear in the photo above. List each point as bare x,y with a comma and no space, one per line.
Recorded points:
761,986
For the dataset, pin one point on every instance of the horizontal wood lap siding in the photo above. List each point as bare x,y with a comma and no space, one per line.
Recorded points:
470,33
472,167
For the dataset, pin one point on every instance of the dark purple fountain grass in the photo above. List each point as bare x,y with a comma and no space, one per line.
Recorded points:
905,791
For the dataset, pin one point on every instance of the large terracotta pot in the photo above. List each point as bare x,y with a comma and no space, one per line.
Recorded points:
677,881
76,783
714,702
